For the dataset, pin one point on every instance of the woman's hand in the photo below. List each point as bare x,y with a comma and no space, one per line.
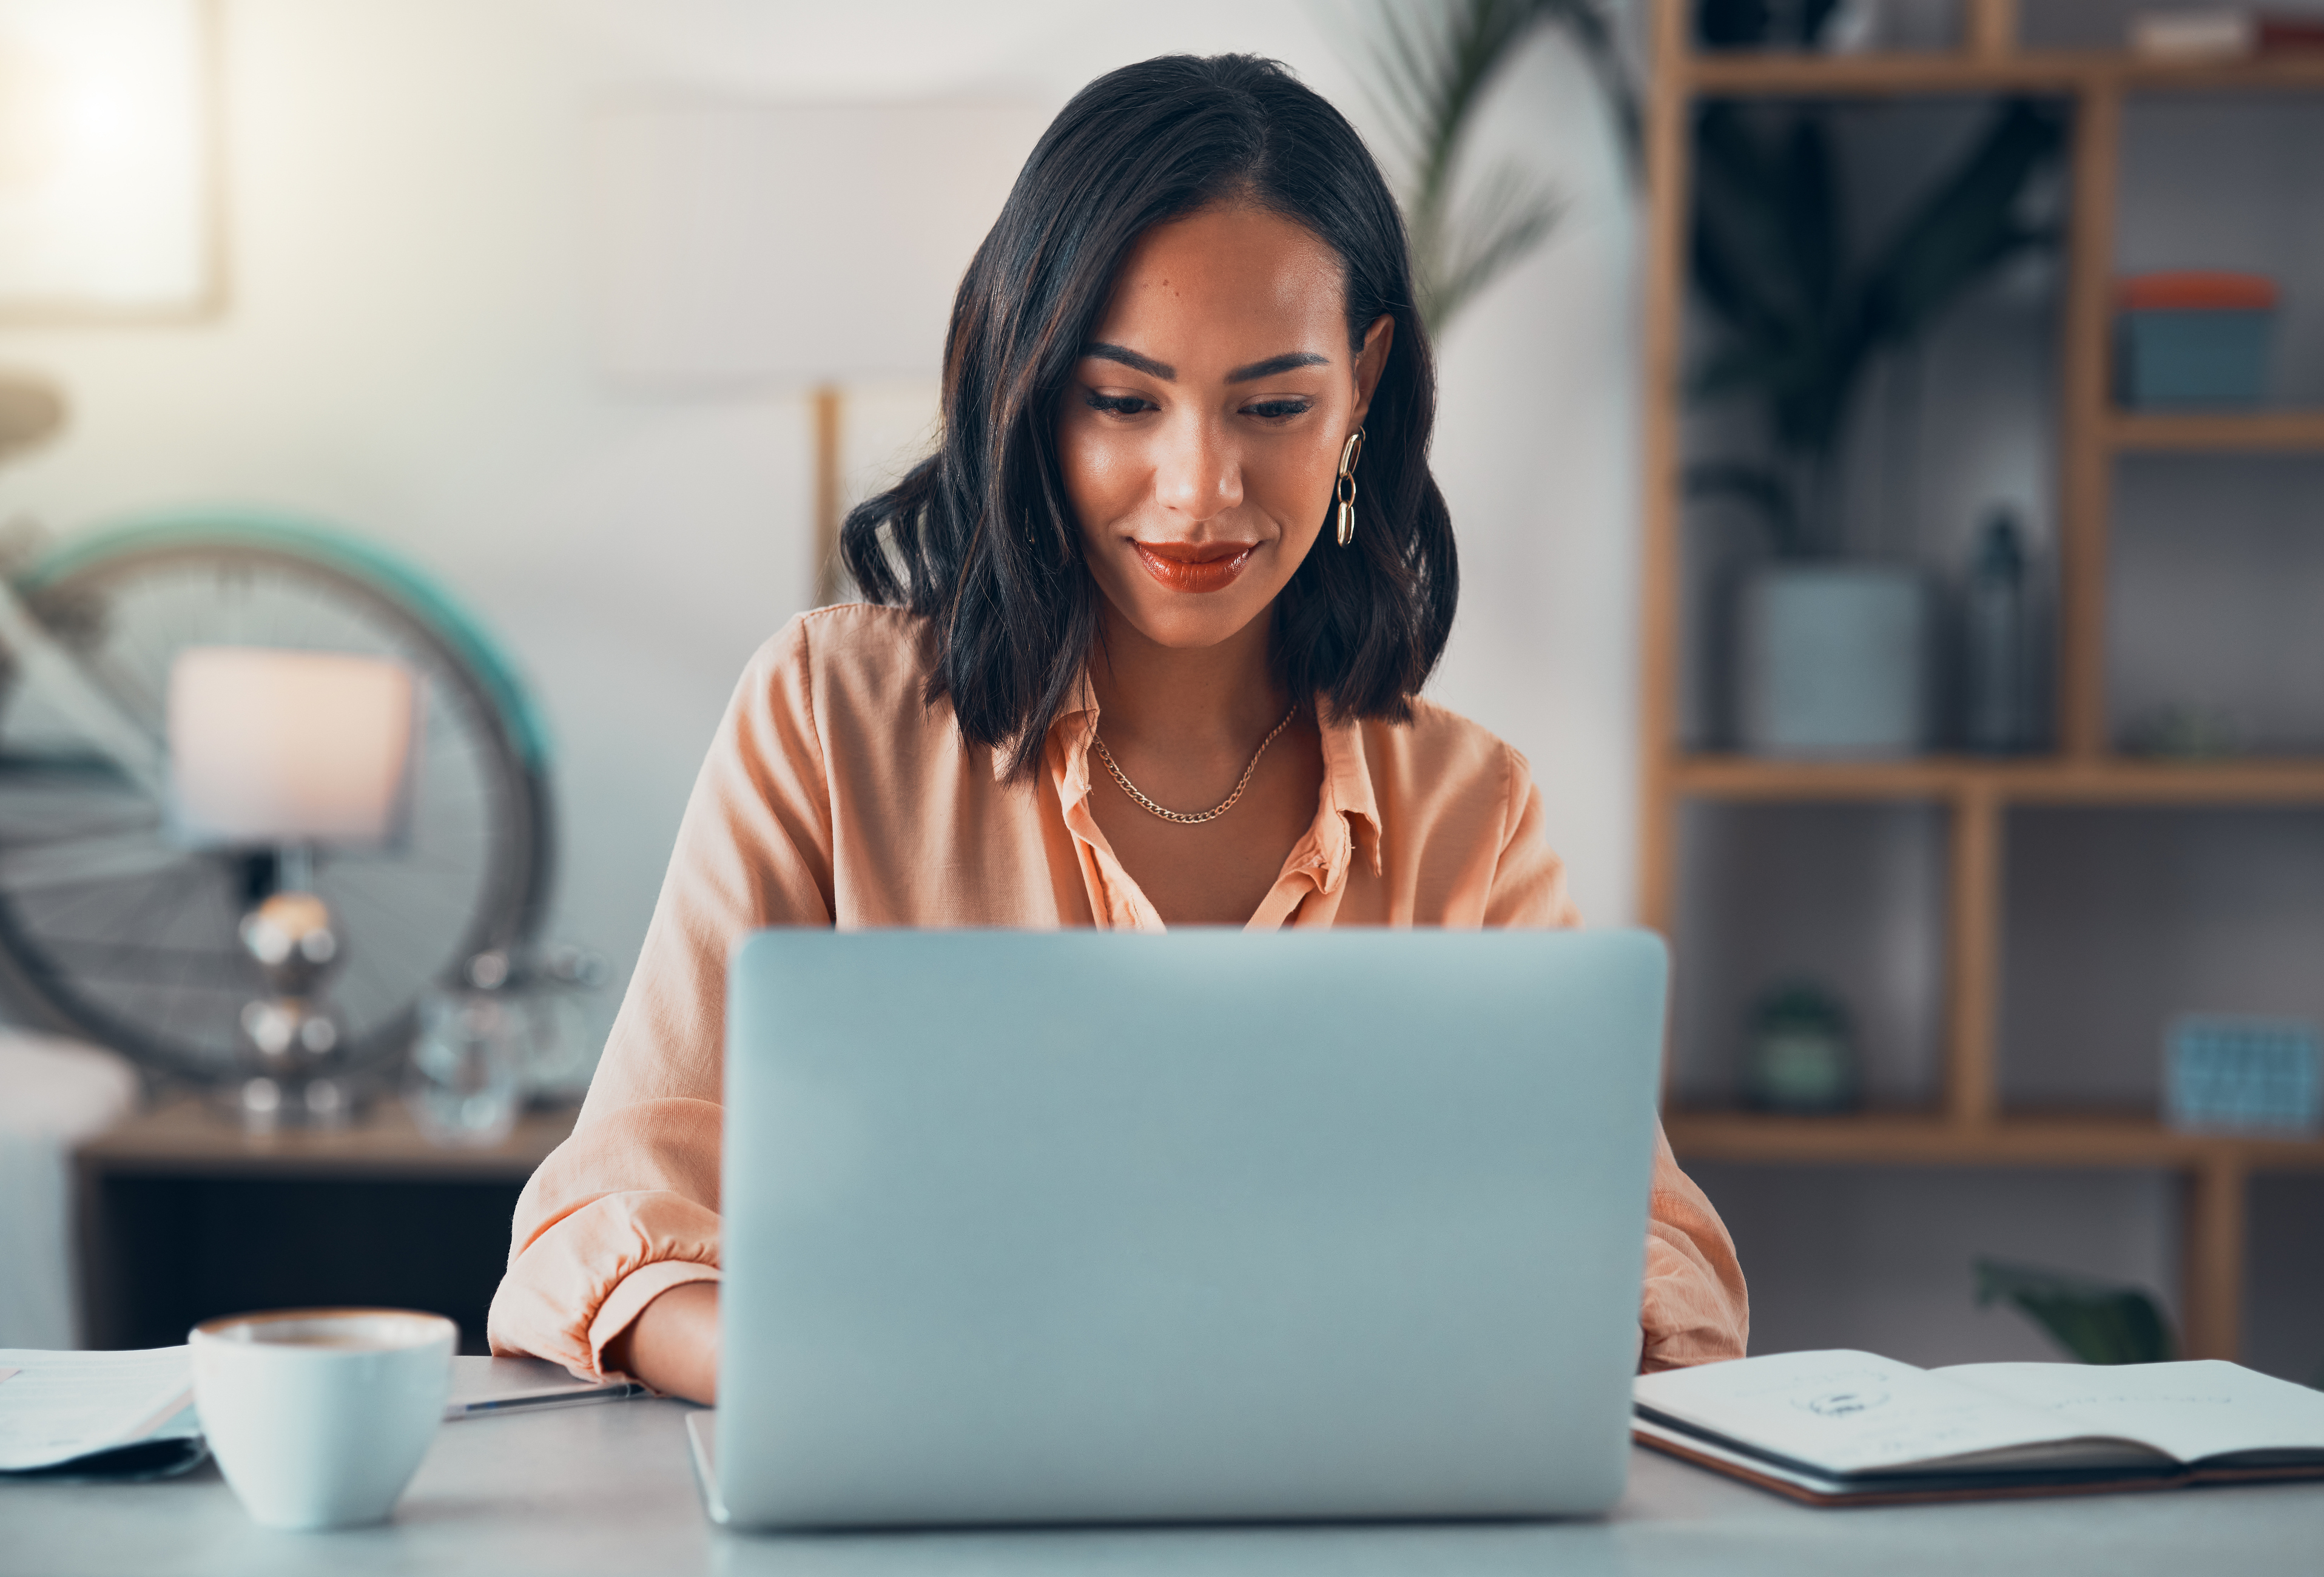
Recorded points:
673,1343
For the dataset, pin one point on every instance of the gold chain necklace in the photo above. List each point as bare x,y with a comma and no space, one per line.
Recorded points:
1181,817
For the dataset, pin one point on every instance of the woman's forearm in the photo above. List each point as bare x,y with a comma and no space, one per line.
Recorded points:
673,1343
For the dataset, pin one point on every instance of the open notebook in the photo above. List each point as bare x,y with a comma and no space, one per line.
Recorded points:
1853,1428
130,1414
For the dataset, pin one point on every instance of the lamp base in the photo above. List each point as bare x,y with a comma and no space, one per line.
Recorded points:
262,1103
294,1039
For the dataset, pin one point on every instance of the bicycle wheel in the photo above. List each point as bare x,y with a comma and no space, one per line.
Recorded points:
111,929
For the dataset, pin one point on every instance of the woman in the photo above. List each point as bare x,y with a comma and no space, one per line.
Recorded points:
1144,648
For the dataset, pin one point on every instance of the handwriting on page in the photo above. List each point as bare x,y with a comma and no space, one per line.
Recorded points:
1844,1412
1841,1403
2195,1409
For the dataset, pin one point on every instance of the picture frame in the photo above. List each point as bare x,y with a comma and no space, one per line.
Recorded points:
111,176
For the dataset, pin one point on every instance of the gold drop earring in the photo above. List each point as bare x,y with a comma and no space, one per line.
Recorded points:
1350,453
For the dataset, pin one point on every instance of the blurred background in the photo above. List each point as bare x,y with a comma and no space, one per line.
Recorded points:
1880,435
536,296
404,345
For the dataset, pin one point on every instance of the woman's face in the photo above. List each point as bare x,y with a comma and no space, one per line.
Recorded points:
1201,431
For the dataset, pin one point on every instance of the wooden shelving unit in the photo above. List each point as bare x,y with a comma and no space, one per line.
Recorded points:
1969,1129
2130,431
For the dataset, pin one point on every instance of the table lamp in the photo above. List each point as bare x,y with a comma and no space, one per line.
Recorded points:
292,752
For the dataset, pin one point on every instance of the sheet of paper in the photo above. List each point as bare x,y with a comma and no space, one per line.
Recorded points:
1844,1412
2205,1407
59,1406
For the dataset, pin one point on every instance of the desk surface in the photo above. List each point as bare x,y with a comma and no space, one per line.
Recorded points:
609,1489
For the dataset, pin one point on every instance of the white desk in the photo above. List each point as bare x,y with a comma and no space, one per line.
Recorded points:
608,1489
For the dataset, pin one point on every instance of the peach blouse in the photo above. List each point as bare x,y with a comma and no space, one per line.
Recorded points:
832,795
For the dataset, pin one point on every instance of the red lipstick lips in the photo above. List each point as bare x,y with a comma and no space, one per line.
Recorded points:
1194,567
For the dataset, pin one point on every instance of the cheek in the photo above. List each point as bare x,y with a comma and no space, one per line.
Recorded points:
1296,482
1102,470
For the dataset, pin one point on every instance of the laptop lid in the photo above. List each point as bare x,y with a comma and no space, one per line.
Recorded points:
1089,1226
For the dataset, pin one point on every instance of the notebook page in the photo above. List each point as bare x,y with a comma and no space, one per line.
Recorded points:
2201,1408
55,1406
1842,1412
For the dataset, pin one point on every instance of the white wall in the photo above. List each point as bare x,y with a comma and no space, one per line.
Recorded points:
405,353
1536,448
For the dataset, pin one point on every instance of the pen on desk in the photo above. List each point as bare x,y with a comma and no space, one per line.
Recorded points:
541,1401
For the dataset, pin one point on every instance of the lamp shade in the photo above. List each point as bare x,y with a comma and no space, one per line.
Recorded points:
269,746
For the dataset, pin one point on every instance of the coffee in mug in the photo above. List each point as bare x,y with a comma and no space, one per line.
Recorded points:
318,1417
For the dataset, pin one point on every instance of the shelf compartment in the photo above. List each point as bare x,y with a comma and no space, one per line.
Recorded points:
1852,898
2121,919
2214,573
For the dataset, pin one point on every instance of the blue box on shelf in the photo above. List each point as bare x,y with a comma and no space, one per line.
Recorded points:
2195,339
2224,1073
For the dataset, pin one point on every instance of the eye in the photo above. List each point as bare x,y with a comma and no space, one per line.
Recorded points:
1119,404
1279,409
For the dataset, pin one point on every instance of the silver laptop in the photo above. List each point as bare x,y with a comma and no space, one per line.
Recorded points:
1044,1227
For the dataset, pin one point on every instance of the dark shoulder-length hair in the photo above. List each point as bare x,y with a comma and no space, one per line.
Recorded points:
980,536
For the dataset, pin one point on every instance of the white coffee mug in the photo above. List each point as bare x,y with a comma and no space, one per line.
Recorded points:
319,1417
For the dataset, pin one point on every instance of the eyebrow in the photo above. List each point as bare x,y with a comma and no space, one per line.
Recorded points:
1274,364
1129,358
1133,360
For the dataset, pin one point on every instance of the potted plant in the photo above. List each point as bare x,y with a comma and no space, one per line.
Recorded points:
1428,72
1832,654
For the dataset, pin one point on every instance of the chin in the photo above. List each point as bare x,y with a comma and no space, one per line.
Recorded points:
1192,629
1189,622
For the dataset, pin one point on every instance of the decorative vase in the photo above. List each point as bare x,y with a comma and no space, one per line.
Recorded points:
1834,661
1799,1056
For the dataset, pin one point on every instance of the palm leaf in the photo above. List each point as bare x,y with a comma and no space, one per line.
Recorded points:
1765,228
1435,76
2098,1321
1968,226
1590,25
1811,214
1428,74
1505,219
1770,258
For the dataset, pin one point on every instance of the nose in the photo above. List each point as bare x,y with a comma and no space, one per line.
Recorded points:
1197,472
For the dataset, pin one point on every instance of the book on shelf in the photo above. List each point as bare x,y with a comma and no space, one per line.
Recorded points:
1843,1428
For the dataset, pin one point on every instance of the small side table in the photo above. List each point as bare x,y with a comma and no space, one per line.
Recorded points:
184,1216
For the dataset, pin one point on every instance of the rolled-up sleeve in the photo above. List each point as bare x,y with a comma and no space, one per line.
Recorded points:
627,1207
1693,1307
